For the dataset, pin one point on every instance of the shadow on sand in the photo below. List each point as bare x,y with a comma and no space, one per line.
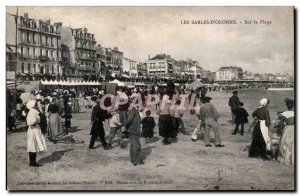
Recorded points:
145,152
54,157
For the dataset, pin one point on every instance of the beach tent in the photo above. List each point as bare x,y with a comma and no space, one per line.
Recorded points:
119,83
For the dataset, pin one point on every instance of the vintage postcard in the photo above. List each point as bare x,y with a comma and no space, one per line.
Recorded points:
150,98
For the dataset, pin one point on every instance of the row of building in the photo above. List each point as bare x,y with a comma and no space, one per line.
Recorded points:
45,48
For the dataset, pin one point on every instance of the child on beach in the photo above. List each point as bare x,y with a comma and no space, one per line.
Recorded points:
241,119
148,125
115,128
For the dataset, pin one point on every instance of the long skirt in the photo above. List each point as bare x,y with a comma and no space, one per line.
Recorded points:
35,139
258,145
286,146
54,125
165,124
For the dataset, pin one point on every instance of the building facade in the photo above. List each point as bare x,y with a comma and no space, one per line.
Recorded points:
160,65
229,73
38,45
82,51
130,67
116,59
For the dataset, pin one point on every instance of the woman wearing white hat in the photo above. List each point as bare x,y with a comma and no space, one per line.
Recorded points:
35,139
261,141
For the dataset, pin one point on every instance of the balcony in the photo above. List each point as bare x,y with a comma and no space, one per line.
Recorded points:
44,58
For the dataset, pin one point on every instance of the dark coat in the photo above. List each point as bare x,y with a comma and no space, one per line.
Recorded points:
133,122
262,113
241,116
98,116
234,103
148,126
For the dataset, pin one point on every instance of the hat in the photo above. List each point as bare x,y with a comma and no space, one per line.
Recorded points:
289,102
234,92
38,97
263,101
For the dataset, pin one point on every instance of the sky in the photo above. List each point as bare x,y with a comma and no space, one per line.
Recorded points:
142,31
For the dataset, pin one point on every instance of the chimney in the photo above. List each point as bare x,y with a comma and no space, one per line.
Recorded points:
116,48
25,15
59,24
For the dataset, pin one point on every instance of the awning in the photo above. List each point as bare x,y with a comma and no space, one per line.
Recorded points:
119,83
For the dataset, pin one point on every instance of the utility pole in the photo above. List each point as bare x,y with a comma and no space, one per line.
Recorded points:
16,65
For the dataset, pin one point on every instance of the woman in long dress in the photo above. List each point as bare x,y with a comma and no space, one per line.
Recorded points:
35,139
54,121
286,146
165,122
261,141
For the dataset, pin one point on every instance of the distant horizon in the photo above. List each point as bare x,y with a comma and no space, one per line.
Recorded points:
255,48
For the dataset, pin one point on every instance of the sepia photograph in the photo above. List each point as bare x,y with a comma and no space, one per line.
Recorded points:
150,98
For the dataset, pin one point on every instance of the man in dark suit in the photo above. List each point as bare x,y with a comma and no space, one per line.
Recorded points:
133,126
98,116
234,103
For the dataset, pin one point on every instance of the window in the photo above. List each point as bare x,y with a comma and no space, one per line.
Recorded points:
41,52
28,55
57,68
21,51
28,37
33,38
52,68
47,53
28,68
34,68
22,67
46,41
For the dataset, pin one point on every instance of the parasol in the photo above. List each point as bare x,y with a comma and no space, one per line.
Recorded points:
27,97
195,85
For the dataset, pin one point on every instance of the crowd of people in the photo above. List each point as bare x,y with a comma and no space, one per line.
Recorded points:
44,114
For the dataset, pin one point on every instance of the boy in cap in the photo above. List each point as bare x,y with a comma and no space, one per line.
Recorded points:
240,119
115,128
210,115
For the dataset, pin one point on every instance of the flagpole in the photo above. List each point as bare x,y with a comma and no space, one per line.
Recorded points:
16,65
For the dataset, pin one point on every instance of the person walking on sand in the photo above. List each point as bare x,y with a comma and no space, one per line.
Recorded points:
97,130
115,128
241,119
261,141
234,103
133,125
210,115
